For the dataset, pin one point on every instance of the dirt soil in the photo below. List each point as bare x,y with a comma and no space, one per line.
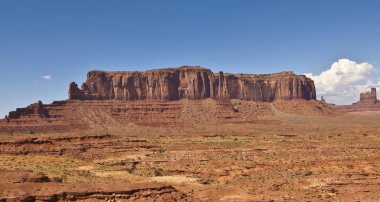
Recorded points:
281,156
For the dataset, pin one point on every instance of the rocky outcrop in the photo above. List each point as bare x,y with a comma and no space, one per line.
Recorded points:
193,83
324,101
92,192
36,109
369,97
368,102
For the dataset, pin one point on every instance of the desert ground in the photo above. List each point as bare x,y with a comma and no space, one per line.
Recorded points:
279,157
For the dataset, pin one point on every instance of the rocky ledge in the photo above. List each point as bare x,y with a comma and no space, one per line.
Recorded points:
192,82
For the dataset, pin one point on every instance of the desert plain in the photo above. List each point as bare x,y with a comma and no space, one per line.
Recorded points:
311,153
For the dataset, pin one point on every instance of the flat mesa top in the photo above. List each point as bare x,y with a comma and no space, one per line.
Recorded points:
190,69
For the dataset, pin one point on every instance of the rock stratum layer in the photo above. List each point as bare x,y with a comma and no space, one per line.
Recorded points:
193,83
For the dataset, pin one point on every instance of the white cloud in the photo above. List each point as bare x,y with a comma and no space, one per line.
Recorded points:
344,81
47,77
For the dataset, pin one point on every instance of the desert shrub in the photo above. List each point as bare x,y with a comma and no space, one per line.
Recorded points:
85,173
158,172
57,179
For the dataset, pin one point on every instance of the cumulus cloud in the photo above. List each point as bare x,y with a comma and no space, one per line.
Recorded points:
344,80
47,77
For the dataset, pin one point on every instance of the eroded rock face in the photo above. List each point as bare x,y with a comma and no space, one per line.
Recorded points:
36,109
193,83
368,102
369,97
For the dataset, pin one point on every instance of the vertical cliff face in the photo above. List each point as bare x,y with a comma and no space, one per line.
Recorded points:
285,85
192,83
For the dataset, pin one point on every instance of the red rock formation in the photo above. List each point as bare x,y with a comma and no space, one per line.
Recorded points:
154,97
36,109
369,97
324,101
368,102
192,83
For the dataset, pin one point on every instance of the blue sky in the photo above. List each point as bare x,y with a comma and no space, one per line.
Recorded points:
66,39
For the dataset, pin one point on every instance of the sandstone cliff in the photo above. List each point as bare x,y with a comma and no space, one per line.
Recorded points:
192,83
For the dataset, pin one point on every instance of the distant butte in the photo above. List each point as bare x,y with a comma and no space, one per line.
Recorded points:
368,102
369,97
